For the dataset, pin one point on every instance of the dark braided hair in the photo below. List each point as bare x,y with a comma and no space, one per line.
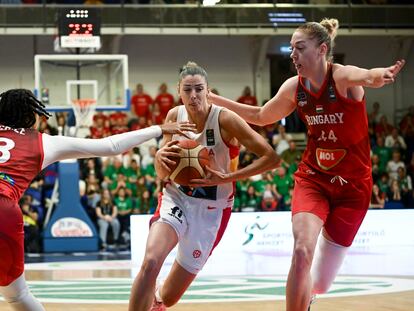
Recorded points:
18,108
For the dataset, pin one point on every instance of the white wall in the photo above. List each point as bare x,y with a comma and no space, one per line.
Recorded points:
228,60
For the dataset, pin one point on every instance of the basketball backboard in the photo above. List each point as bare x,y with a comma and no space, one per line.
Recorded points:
60,79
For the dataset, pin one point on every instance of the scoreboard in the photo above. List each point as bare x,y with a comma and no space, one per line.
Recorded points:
79,28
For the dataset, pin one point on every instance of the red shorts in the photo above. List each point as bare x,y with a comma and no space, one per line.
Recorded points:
342,208
11,241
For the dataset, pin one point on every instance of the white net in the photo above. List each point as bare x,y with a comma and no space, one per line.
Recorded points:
84,110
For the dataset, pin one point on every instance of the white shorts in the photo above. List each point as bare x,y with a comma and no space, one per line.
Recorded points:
199,225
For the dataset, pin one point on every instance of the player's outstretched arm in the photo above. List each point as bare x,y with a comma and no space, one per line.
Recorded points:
280,106
350,76
57,148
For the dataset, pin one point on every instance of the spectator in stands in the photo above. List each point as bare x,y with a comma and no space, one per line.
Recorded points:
100,127
93,167
384,183
289,155
164,100
383,153
270,198
106,212
377,170
144,204
141,103
132,173
407,131
375,115
377,197
156,116
395,141
112,169
283,183
119,122
394,164
241,193
124,206
31,226
406,185
120,182
247,98
394,194
141,123
252,200
281,140
90,200
383,128
62,127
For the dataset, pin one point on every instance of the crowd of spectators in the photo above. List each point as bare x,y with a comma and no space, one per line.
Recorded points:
112,189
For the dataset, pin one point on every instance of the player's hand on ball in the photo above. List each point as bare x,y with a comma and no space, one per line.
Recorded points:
169,150
178,128
212,178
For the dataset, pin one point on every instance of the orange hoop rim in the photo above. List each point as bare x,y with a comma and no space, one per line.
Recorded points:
84,102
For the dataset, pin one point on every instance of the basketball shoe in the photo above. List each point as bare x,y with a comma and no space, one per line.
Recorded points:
313,298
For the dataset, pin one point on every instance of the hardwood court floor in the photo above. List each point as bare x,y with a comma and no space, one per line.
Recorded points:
399,301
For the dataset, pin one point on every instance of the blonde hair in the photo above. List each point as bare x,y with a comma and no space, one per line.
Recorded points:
192,69
324,32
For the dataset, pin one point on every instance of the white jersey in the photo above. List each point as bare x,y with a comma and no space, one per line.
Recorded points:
199,216
222,155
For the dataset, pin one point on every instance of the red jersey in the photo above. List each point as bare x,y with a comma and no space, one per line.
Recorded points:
165,102
338,141
21,158
141,104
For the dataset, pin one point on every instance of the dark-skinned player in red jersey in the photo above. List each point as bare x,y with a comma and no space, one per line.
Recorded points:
24,152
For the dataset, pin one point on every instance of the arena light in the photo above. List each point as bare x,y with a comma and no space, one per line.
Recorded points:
210,2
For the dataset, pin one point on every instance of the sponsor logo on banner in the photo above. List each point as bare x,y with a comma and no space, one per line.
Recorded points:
328,158
70,227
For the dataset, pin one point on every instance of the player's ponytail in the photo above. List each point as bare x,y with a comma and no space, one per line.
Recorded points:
18,108
192,69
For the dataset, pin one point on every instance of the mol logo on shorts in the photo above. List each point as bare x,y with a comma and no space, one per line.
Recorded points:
196,253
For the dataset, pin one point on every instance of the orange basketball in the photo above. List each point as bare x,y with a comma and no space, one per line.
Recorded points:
191,162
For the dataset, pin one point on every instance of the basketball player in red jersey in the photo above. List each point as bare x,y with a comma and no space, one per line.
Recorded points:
333,182
195,218
24,152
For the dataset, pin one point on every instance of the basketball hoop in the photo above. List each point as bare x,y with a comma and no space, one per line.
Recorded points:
84,110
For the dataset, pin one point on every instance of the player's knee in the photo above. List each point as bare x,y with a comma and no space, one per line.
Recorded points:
151,265
302,257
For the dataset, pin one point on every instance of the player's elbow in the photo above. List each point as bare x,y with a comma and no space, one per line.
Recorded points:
272,159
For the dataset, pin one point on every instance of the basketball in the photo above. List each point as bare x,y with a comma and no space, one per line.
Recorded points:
191,162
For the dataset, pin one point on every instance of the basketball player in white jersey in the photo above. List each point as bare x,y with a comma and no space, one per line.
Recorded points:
195,218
